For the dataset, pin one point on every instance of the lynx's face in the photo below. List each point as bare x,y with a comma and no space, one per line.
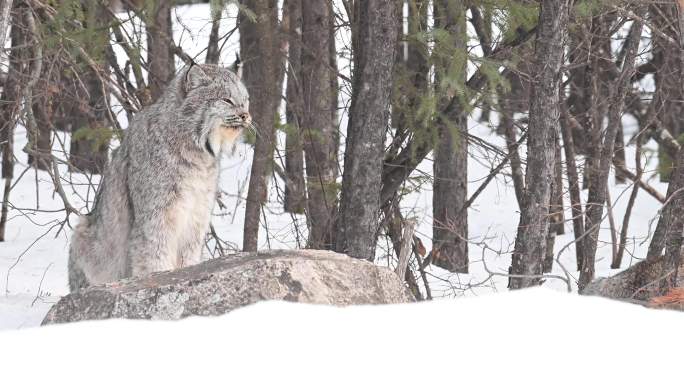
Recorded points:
224,124
223,102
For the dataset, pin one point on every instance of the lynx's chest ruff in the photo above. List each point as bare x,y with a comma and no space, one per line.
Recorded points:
221,136
190,214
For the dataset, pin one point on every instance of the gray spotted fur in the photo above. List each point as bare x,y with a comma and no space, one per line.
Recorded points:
155,201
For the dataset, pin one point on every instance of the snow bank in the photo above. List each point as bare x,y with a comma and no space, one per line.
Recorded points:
532,337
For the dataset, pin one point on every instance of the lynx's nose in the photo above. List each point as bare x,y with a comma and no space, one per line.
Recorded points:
246,118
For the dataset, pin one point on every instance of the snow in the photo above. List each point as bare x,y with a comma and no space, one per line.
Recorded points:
33,260
533,336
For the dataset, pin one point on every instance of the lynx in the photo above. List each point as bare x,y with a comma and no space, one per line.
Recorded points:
154,204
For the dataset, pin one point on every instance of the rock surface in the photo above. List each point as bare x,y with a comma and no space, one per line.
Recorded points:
640,282
220,285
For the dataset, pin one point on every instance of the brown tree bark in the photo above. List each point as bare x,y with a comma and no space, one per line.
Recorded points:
89,140
481,19
295,188
9,110
557,213
669,231
515,99
213,52
573,183
334,100
12,92
5,7
374,38
599,178
160,59
40,152
260,49
38,129
556,218
619,157
410,76
668,69
530,243
590,81
318,130
507,127
410,83
616,263
88,115
450,186
674,258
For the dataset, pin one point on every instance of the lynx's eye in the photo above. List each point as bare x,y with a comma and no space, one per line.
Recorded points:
229,101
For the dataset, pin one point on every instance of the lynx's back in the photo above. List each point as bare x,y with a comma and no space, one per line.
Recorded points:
154,205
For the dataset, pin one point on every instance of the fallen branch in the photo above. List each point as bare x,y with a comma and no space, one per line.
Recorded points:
406,247
645,186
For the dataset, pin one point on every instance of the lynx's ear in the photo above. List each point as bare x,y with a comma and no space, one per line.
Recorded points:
195,77
237,66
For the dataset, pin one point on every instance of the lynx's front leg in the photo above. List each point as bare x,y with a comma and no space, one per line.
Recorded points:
150,250
151,246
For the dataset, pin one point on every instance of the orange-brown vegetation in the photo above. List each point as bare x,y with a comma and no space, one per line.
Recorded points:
674,299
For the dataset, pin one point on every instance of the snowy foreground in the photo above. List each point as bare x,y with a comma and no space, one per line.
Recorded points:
536,336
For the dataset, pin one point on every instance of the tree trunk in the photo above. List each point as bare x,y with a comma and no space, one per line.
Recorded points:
90,138
674,258
668,234
260,48
573,184
334,104
374,41
507,127
590,82
673,240
580,90
557,212
318,129
12,92
410,83
90,127
410,75
530,243
160,57
5,7
556,217
213,53
295,197
668,70
36,97
599,178
9,111
619,158
481,19
40,117
515,100
41,148
450,186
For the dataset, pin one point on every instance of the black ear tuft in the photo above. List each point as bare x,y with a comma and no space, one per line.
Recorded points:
195,77
237,66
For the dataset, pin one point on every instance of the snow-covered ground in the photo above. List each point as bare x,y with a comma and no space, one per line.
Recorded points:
533,337
33,259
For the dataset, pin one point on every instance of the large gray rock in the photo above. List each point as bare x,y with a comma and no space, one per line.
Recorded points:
220,285
640,282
